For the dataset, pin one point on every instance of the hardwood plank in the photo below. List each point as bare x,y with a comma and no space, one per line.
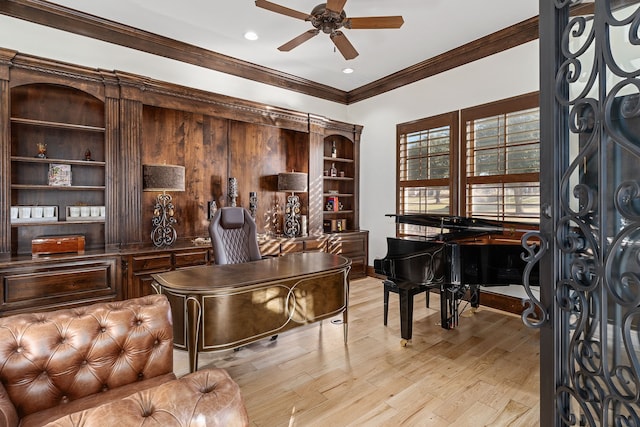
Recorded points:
485,372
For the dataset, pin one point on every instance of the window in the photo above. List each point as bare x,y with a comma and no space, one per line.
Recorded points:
494,174
426,160
501,178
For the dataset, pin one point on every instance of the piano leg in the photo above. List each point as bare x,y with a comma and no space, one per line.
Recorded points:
450,295
387,284
406,314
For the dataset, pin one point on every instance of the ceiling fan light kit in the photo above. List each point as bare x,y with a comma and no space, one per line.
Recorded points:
329,18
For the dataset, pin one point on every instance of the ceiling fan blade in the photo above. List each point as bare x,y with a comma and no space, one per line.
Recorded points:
344,45
298,40
374,22
336,5
281,9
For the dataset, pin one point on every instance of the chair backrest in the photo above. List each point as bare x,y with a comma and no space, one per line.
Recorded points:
233,236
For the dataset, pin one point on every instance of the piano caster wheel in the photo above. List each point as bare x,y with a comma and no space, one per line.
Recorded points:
470,313
404,343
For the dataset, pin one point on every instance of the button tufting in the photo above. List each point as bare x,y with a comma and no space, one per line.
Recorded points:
103,329
19,350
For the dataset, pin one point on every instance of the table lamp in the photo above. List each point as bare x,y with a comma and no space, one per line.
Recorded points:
294,182
163,178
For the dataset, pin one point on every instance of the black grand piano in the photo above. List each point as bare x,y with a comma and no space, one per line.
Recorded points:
462,255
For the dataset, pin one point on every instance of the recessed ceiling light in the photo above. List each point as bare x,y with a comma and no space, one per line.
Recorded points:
250,35
347,70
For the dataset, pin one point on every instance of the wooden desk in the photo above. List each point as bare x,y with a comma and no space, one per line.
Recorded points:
217,307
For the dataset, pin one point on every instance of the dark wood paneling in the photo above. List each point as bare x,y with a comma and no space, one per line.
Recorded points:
256,155
192,140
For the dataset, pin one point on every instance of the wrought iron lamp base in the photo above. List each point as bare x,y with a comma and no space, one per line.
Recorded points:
163,233
292,216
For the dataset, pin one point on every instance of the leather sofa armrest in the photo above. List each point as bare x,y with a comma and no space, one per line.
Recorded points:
208,397
8,412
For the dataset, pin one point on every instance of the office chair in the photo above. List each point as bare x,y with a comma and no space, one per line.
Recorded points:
234,239
233,236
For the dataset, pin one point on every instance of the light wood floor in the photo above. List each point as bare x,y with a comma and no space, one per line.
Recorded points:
483,373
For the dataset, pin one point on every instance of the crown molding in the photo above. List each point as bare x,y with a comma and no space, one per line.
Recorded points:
73,21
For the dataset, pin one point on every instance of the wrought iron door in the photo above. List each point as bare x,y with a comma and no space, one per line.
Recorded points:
589,247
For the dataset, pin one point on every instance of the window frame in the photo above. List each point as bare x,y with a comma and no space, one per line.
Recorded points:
450,119
457,122
505,106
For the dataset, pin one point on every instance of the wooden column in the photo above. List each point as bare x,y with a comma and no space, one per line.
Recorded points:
316,150
112,231
5,151
129,167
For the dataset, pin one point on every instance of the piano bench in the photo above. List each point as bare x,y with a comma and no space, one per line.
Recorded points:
404,290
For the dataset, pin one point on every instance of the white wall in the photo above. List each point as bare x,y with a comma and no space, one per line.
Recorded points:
510,73
507,74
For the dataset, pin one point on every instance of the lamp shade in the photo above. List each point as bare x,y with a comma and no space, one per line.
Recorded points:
162,178
295,182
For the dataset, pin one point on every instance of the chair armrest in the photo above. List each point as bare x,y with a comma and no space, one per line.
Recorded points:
8,412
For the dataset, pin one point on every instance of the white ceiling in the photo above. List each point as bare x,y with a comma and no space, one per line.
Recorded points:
431,27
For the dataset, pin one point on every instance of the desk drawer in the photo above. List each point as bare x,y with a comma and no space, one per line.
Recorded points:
153,262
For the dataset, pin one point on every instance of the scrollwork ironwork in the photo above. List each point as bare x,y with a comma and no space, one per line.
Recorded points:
163,233
597,220
534,314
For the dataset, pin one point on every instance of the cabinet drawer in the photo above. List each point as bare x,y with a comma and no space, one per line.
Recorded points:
55,284
315,245
152,262
347,246
353,247
291,246
187,259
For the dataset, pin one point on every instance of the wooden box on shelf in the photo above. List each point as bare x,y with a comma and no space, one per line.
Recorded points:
46,245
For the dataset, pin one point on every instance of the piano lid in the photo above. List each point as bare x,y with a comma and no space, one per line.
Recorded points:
450,222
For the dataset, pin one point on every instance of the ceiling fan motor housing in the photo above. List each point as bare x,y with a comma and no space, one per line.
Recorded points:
327,20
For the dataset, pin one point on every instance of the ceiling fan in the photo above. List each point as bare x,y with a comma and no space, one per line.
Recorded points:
329,17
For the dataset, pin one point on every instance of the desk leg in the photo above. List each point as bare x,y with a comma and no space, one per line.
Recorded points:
194,313
345,323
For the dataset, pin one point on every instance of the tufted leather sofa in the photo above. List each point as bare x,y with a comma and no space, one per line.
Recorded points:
106,364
